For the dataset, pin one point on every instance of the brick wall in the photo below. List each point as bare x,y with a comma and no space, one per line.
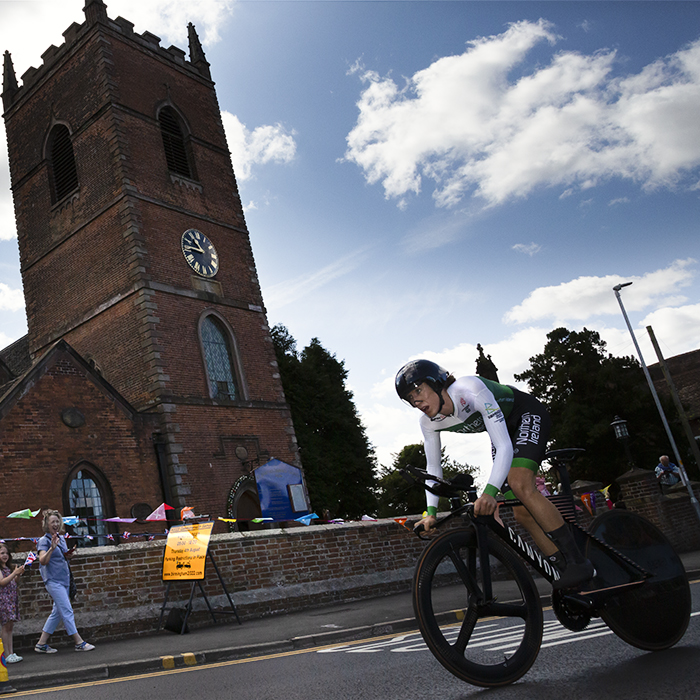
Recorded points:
38,449
120,590
274,571
673,514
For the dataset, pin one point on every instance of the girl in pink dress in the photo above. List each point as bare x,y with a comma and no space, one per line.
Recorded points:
9,601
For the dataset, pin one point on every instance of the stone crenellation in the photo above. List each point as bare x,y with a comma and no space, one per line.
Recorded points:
76,32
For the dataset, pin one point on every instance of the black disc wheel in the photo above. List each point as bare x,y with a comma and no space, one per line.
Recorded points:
485,637
655,614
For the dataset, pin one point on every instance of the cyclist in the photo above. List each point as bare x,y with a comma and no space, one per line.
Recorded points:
518,425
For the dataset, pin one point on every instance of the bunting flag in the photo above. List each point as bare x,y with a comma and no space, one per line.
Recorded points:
402,522
119,520
31,558
227,520
606,495
26,514
110,538
586,498
369,517
71,520
126,535
186,513
306,519
262,520
159,512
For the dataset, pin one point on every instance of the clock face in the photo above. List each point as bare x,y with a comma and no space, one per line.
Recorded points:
200,253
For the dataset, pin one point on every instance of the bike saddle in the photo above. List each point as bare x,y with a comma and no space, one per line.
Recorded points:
565,455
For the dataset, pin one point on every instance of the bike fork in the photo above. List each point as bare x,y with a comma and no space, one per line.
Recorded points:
483,547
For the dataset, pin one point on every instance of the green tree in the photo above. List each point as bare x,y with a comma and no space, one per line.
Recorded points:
396,497
584,388
337,457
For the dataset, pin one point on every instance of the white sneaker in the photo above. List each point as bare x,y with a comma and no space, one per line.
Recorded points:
13,659
84,646
44,649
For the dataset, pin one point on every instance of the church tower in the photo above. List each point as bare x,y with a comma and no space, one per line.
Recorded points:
134,248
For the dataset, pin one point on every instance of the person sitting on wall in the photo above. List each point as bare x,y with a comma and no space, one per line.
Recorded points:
667,473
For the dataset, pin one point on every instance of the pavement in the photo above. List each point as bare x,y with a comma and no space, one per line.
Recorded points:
228,640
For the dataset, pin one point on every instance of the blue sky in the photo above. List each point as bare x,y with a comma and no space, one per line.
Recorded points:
420,177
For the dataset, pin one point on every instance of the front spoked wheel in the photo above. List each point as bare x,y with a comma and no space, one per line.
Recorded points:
486,641
655,614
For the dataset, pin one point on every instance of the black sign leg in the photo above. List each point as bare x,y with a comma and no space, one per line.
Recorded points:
206,600
162,609
223,585
188,609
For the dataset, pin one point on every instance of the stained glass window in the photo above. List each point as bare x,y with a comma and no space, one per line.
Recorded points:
217,353
85,501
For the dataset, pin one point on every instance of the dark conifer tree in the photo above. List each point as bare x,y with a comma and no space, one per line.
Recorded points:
337,457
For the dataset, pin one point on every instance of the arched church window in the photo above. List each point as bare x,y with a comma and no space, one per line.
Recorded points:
63,173
87,497
174,142
221,368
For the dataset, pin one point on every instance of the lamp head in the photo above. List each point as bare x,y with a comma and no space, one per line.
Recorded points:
618,287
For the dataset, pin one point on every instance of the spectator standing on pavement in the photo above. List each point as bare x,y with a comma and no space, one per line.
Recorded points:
9,601
667,473
53,558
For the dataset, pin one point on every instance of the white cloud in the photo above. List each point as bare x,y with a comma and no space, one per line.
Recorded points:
590,297
8,230
677,330
465,125
264,144
527,248
10,299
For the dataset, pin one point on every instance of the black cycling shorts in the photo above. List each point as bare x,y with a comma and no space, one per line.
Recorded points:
529,426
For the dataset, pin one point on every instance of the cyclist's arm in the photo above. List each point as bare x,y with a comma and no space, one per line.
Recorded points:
433,455
495,423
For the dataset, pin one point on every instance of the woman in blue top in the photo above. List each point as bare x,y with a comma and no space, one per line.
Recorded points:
53,558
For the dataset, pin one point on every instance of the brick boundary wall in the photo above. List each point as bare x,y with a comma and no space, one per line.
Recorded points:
120,590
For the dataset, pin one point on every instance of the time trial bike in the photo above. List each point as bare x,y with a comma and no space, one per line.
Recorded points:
479,609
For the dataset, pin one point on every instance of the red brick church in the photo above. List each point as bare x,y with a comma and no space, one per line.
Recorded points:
148,372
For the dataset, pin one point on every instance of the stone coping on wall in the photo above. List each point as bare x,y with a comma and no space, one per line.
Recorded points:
92,566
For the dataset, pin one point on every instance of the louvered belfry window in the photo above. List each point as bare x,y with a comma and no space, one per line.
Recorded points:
174,142
62,162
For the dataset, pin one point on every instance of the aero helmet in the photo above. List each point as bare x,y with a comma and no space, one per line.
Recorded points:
420,372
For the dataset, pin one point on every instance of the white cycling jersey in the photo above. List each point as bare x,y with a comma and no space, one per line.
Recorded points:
479,406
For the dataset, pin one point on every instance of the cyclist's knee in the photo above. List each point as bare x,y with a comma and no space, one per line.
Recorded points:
523,517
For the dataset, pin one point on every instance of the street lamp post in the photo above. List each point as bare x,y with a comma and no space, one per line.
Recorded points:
619,425
652,388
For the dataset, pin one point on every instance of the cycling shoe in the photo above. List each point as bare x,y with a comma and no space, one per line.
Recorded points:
574,575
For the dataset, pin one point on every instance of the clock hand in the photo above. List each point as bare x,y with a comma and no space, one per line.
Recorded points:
198,249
